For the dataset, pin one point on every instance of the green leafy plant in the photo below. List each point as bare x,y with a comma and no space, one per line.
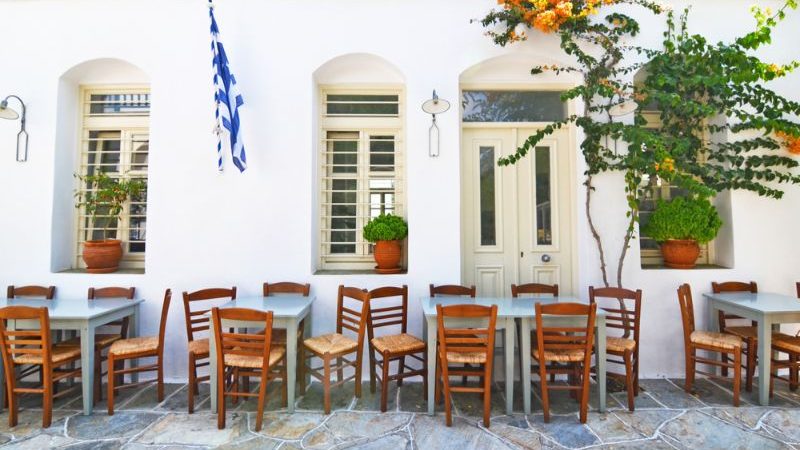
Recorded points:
104,198
385,227
684,218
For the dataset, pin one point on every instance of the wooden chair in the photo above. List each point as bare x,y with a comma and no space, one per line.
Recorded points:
337,345
134,348
454,290
392,347
279,334
45,292
565,350
710,341
246,355
103,341
748,333
473,346
33,347
198,321
623,308
789,345
533,289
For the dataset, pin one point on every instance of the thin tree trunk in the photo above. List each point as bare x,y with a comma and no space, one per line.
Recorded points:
595,234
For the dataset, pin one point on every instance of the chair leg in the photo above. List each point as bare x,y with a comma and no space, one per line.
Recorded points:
301,372
627,356
159,379
98,376
358,375
464,377
636,375
47,413
12,405
192,383
340,372
751,364
439,384
545,394
725,360
262,394
111,382
372,370
487,395
425,372
385,382
518,325
447,403
793,372
285,390
326,382
220,400
585,392
690,366
235,385
401,369
737,375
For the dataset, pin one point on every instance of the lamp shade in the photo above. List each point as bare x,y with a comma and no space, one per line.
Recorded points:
8,113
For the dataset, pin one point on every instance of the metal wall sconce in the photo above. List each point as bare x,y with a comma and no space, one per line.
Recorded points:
22,136
433,107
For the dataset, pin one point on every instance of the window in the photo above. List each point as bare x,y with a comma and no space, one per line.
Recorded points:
361,172
512,106
115,141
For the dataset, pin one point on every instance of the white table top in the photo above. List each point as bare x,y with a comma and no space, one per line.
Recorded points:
506,306
280,305
762,302
71,309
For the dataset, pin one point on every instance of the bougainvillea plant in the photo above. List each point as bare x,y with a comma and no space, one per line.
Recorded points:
700,90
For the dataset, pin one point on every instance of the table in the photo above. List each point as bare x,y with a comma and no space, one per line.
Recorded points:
85,316
287,312
769,311
509,309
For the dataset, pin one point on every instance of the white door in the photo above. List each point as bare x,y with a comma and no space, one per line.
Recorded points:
516,220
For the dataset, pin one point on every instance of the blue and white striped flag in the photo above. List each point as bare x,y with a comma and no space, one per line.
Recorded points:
227,98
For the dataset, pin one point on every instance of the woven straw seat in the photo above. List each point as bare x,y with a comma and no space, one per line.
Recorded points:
398,343
255,361
617,344
466,358
713,339
134,345
566,355
57,355
199,347
100,341
786,343
743,332
332,343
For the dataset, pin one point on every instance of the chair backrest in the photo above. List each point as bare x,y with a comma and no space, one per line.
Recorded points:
45,292
242,344
534,289
383,312
162,326
625,314
565,338
287,287
114,292
197,319
352,312
732,286
20,342
687,310
478,339
452,290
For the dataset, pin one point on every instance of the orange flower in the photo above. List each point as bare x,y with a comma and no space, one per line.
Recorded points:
792,143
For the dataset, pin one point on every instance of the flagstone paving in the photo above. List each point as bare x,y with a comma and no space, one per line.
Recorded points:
666,418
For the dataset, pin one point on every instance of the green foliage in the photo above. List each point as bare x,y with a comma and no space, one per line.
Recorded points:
684,218
105,197
386,227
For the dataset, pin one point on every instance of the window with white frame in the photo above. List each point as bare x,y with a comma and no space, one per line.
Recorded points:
115,127
361,171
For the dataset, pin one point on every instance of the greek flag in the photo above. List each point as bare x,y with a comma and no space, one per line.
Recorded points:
227,98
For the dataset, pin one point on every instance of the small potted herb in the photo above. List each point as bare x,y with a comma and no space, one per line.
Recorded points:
386,231
680,225
103,200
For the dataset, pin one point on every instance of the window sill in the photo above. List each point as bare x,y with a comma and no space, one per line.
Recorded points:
355,272
128,271
697,267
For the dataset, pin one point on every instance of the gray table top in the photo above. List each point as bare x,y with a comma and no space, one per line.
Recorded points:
762,302
280,305
506,306
72,309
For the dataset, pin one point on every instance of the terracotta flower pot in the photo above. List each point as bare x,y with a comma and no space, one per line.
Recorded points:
102,256
388,256
680,253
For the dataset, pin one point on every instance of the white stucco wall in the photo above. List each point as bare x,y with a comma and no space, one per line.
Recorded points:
209,229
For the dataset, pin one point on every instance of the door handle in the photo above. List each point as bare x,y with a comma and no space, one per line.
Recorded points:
546,258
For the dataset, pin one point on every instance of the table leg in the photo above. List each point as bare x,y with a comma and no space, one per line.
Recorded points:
430,330
525,329
291,362
212,369
87,367
133,331
509,360
764,360
601,362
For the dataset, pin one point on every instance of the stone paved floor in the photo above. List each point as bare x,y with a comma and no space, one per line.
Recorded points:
665,418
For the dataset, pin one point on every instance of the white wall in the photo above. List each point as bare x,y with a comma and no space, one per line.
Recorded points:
208,229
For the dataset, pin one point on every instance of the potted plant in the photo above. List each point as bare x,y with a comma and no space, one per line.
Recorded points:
103,200
386,231
680,225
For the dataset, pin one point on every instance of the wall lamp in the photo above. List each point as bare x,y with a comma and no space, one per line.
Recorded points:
22,136
433,107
